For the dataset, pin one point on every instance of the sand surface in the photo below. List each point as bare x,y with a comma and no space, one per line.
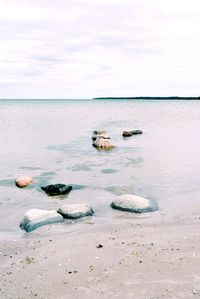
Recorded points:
146,258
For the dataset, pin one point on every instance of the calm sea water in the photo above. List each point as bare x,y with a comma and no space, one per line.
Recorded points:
51,141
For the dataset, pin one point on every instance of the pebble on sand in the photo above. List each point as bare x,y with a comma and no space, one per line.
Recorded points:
35,218
23,181
75,211
100,134
133,203
105,144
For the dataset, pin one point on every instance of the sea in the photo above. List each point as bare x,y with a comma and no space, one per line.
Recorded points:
50,140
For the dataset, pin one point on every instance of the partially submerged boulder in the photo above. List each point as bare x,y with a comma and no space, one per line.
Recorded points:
105,144
75,211
100,134
23,181
130,133
35,218
57,189
133,203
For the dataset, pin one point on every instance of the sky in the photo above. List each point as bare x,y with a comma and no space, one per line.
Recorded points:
99,48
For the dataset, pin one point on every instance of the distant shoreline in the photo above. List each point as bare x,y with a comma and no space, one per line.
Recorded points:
148,98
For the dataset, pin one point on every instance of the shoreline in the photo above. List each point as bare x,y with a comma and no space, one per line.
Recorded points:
152,257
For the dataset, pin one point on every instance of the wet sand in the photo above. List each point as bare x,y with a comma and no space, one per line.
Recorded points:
148,258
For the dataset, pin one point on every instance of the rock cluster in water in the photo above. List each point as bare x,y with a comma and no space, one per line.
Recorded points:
35,218
131,133
101,140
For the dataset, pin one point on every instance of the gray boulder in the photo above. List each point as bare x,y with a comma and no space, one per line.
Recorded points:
75,211
35,218
100,134
133,203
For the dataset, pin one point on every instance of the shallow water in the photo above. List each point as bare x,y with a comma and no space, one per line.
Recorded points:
51,141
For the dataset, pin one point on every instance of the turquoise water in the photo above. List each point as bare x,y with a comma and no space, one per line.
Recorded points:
51,141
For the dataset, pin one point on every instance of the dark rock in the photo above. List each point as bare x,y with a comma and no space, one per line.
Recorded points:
57,189
130,133
136,132
126,134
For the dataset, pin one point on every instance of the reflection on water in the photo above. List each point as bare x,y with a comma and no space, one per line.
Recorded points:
51,141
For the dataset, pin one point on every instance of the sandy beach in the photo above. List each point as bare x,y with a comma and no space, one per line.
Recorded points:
149,257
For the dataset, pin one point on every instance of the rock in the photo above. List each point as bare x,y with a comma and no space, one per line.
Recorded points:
105,144
35,218
133,203
100,134
57,189
130,133
126,134
136,132
75,211
23,181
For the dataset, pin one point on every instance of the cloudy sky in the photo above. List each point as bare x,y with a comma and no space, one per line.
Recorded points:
91,48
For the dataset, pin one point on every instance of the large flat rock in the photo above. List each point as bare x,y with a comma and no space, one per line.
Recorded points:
133,203
75,211
35,218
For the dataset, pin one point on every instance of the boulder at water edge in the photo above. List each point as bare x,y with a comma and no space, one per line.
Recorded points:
35,218
100,134
75,211
23,181
57,189
101,143
133,203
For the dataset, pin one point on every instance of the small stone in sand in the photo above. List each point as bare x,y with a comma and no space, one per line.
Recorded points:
23,181
75,211
99,246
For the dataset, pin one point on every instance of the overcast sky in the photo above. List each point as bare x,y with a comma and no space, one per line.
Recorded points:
91,48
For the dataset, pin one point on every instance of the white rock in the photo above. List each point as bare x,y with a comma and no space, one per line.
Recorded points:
101,143
23,181
35,218
100,134
75,211
133,203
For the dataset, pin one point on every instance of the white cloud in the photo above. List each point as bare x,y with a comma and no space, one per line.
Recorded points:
94,48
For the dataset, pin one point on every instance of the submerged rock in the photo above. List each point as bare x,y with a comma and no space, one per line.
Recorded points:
130,133
57,189
23,181
100,134
136,132
126,134
101,143
35,218
133,203
75,211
